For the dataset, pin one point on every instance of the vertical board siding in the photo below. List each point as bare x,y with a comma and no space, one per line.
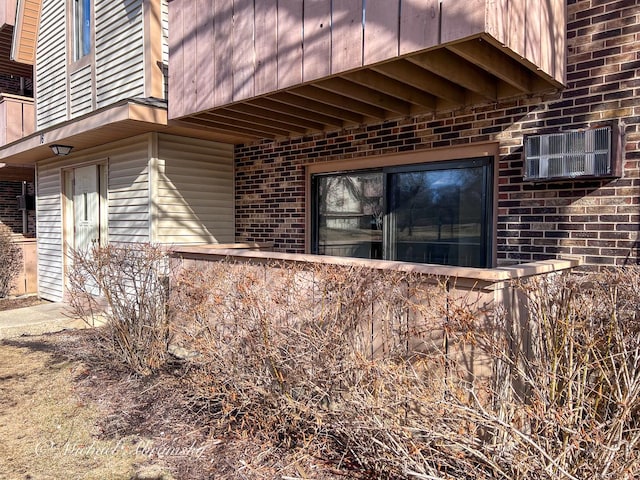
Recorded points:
243,48
51,65
49,228
347,40
266,45
498,20
189,45
517,19
381,36
248,49
461,19
290,50
81,91
559,46
205,69
176,58
194,191
419,25
532,32
165,45
119,51
317,39
222,55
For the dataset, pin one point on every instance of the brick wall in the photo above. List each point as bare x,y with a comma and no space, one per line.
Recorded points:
11,84
9,213
598,220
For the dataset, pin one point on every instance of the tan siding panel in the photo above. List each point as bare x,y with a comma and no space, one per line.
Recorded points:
195,197
24,50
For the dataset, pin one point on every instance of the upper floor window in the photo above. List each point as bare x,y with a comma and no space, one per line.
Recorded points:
81,28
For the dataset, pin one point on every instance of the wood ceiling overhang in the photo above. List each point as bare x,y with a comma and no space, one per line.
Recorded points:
470,73
125,119
16,173
275,69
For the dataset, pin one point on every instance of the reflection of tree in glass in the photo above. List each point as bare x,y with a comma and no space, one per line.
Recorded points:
358,194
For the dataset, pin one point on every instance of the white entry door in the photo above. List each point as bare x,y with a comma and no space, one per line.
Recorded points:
86,208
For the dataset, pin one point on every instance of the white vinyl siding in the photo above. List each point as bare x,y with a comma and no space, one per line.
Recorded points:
195,192
129,193
51,65
127,200
49,228
190,192
81,88
118,63
119,51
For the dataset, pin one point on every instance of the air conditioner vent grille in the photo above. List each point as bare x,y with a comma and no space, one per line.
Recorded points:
581,153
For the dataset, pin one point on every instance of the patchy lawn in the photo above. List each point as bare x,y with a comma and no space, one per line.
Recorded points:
63,415
48,431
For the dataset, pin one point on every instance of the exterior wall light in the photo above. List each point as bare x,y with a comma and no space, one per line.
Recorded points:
61,150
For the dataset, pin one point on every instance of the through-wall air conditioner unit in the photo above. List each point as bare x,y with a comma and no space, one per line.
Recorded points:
574,154
25,202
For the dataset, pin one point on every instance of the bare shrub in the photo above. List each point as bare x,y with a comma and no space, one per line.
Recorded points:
321,357
10,260
363,368
127,286
566,405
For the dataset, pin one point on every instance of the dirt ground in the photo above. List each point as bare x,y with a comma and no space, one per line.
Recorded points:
10,303
66,414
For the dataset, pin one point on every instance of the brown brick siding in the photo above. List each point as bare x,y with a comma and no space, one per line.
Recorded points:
11,84
9,213
598,220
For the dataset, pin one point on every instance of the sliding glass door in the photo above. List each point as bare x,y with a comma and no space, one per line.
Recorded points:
430,213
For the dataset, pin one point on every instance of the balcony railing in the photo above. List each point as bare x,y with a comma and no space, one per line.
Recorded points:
17,118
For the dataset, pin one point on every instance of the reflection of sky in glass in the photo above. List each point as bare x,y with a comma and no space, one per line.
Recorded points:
439,186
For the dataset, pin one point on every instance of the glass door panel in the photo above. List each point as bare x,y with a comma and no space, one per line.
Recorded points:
439,216
350,214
